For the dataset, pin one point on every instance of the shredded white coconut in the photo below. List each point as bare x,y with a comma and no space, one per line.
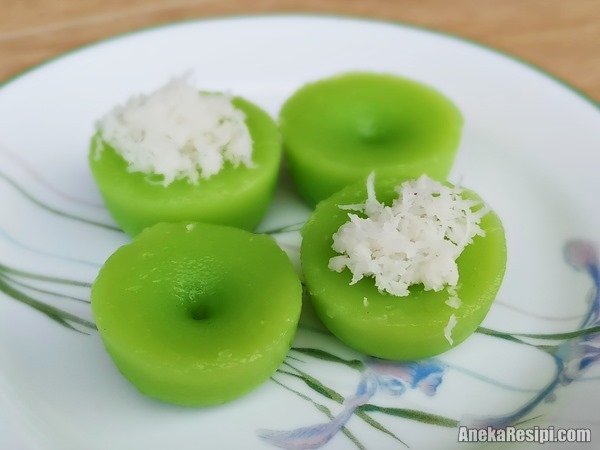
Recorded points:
178,132
452,321
416,240
453,301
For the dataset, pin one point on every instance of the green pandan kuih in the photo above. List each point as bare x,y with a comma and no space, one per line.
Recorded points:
399,327
197,314
236,196
337,130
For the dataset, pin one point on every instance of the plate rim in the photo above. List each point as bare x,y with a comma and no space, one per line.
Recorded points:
308,15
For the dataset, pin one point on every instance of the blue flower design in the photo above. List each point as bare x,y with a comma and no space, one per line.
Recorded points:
579,354
573,356
394,378
390,377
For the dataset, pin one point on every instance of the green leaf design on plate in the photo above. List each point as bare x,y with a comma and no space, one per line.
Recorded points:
412,414
326,356
561,336
314,384
35,276
319,387
9,285
552,337
16,282
42,205
325,410
284,229
58,315
375,424
500,334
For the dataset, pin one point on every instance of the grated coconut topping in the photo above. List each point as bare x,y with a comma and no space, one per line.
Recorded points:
178,132
415,240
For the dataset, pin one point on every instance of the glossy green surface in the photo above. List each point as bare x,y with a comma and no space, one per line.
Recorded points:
235,196
386,326
337,130
197,316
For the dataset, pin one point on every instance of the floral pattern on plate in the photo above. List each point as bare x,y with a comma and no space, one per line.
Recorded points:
574,353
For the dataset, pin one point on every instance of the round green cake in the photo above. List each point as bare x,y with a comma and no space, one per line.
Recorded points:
197,314
387,326
337,130
236,196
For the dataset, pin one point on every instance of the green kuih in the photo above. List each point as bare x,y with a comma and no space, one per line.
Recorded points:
236,196
337,130
387,326
197,314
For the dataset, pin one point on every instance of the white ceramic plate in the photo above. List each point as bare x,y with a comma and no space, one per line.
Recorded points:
530,148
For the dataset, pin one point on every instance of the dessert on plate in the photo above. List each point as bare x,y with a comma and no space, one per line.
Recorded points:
337,130
197,314
403,270
179,154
